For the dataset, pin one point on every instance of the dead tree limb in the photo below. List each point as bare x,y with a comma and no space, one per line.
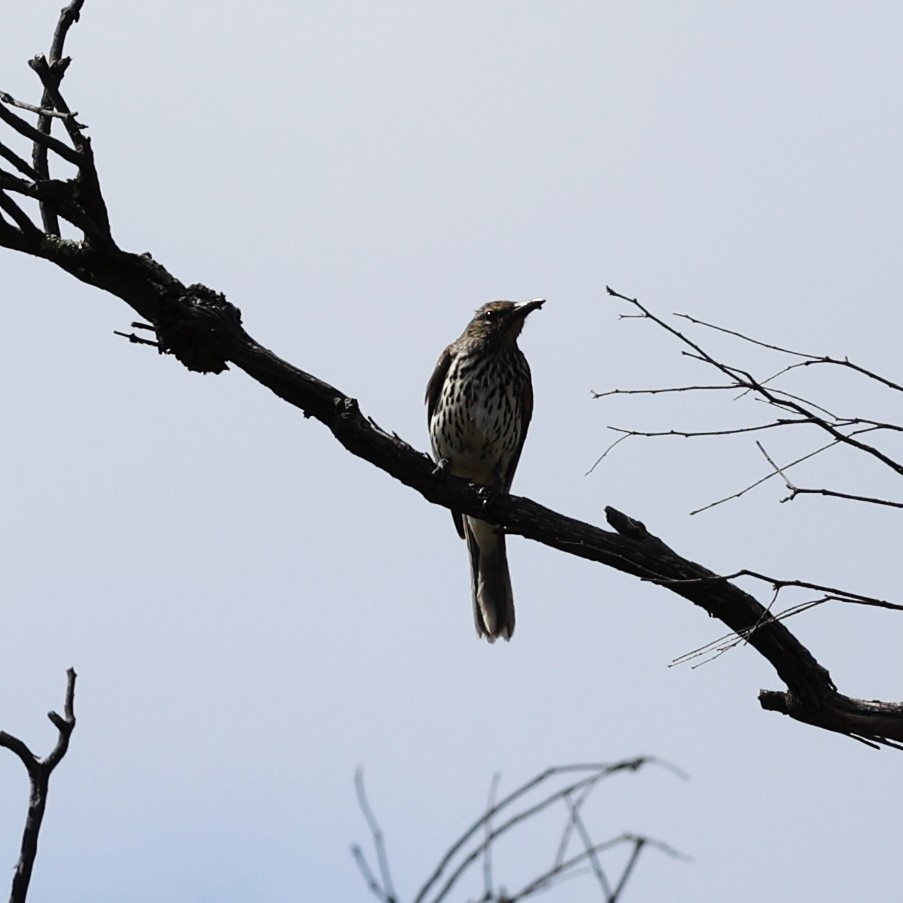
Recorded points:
204,332
567,786
39,771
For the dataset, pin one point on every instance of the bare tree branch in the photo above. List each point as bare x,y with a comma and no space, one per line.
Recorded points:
810,358
517,808
203,331
805,413
570,868
592,853
39,771
32,108
796,490
51,75
384,891
596,773
487,855
848,496
13,158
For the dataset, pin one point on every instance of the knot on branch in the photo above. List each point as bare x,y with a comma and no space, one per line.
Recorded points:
53,71
187,329
625,525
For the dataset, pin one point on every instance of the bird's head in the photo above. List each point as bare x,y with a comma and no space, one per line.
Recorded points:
499,322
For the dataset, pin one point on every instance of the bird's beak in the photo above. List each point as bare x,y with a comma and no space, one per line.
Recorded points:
529,306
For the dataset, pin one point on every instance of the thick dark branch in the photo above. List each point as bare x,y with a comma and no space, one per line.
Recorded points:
81,203
204,331
29,231
39,771
69,15
12,157
51,74
89,194
32,134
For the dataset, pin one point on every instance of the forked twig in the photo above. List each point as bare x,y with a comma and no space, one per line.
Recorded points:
39,771
386,890
515,809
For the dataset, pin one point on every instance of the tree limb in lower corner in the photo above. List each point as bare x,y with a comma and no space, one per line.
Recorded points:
39,771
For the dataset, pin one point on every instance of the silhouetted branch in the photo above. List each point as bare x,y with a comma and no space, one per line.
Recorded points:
487,855
829,493
204,332
805,412
571,868
39,771
834,494
764,479
385,891
590,850
811,359
30,107
517,808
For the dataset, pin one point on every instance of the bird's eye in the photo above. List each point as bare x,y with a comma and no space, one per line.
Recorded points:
489,314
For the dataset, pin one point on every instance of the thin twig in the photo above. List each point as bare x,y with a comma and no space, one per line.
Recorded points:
487,855
805,415
638,845
662,391
810,358
367,873
598,460
32,108
764,479
697,434
136,339
588,848
597,772
377,834
834,494
564,869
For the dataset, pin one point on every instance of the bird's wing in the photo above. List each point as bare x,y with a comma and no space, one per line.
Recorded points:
434,386
526,414
433,391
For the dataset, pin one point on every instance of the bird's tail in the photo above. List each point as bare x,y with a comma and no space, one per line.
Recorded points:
493,600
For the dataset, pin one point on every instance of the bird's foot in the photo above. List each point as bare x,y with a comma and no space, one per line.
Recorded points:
487,494
442,466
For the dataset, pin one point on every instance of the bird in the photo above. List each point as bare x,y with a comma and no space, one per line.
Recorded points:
479,403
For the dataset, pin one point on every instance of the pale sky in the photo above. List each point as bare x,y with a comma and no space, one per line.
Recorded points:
254,613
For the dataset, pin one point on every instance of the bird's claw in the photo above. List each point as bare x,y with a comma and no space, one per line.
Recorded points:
442,466
487,494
